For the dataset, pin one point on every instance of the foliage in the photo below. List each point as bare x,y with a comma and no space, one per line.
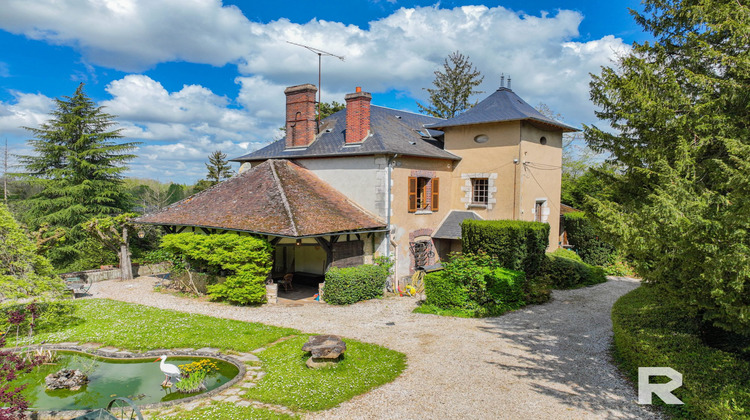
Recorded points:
221,411
617,265
565,253
330,108
218,167
150,195
453,87
576,156
565,273
247,258
289,382
679,108
112,232
652,331
23,272
517,245
11,364
475,284
43,316
138,327
78,166
344,286
593,182
582,234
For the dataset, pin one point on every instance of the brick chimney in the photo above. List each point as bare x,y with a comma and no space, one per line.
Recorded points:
300,115
357,116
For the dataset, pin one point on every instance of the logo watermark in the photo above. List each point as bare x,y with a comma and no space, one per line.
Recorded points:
664,391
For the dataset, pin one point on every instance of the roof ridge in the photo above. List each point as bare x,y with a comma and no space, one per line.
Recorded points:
283,196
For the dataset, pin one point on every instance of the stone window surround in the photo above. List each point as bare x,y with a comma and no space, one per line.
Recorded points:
545,209
468,189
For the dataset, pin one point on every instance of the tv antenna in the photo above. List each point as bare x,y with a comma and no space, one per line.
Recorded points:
320,53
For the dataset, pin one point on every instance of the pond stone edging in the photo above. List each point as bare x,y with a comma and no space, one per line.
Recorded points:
114,353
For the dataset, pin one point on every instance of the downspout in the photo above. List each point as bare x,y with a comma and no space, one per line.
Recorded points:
388,209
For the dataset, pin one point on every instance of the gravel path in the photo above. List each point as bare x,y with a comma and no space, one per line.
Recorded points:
546,361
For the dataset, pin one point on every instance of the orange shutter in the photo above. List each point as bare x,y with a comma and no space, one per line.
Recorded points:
412,194
435,193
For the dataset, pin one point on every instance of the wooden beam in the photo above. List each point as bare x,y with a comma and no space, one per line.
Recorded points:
275,240
181,229
327,246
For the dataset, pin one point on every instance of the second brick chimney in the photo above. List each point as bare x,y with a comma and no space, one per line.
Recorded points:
357,116
300,115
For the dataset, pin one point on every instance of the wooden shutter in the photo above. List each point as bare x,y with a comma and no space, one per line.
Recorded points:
412,194
435,193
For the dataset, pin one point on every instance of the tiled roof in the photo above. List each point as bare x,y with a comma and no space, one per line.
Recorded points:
275,198
501,106
393,132
451,226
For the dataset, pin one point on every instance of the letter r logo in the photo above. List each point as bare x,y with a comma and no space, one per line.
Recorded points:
664,391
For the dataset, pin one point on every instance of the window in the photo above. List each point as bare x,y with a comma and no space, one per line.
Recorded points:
539,211
423,193
479,190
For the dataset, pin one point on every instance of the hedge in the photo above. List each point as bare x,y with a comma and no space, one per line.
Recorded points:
649,331
517,245
344,286
474,285
583,236
565,273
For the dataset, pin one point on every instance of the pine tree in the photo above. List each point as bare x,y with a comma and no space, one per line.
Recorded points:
218,167
680,108
79,167
453,87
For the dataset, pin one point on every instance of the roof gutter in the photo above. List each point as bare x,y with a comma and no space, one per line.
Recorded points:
344,232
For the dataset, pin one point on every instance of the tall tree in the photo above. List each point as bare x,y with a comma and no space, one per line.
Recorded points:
329,108
453,87
78,165
218,167
680,108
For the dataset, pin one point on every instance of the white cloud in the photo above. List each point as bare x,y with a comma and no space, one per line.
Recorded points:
26,110
397,53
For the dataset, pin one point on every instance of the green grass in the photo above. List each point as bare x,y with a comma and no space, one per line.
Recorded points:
226,411
426,308
137,327
649,332
290,383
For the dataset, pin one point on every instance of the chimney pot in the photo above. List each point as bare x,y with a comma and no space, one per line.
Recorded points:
359,89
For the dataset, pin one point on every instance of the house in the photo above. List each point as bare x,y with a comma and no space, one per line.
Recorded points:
370,180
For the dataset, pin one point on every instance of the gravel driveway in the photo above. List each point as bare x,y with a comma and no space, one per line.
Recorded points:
546,361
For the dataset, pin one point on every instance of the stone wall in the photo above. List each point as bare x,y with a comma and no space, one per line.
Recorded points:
115,273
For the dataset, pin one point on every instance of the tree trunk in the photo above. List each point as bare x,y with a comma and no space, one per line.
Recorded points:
125,267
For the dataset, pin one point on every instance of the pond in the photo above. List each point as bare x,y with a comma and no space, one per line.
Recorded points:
137,379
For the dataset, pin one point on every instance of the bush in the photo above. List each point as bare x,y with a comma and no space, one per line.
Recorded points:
48,315
515,244
566,273
344,286
246,258
566,253
476,285
585,239
650,330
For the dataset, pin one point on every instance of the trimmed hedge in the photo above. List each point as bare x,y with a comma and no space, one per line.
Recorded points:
649,331
344,286
566,253
566,273
474,285
517,245
583,236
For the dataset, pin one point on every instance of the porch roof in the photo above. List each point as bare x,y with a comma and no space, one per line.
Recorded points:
451,226
276,198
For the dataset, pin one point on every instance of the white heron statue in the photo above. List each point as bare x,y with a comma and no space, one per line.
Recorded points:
171,371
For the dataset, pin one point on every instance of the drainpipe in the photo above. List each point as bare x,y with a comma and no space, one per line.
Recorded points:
388,209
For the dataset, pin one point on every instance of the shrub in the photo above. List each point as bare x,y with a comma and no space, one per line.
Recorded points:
476,285
246,258
566,253
47,316
585,239
517,245
650,330
344,286
565,273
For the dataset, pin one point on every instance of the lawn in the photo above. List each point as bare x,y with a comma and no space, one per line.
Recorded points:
287,381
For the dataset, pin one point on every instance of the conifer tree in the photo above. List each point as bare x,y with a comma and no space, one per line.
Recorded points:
218,167
680,108
453,87
79,165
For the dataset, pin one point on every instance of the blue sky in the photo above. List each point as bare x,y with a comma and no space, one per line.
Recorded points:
190,77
